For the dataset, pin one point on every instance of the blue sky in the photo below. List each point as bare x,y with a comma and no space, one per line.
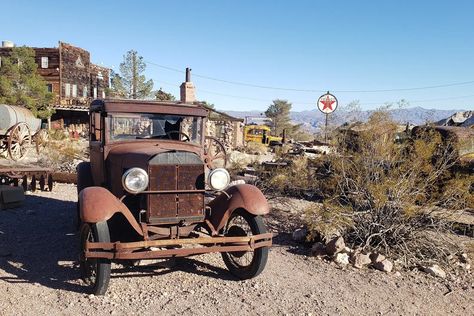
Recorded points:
304,45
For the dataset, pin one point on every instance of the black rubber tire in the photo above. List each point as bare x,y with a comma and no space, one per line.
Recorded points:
84,180
98,232
260,255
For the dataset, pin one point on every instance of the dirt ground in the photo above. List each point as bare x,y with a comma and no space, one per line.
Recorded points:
39,275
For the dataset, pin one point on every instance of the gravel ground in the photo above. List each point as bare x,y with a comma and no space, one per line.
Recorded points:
39,275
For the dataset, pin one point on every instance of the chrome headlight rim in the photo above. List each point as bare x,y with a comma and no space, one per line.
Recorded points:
217,171
128,173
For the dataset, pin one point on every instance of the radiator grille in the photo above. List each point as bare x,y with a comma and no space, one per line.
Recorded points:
176,171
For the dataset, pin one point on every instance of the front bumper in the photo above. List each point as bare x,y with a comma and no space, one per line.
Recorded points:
150,249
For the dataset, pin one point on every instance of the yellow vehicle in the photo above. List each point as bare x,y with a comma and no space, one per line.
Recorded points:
261,134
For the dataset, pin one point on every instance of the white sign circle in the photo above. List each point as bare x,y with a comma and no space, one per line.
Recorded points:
327,103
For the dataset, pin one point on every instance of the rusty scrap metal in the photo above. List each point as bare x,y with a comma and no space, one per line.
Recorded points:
41,176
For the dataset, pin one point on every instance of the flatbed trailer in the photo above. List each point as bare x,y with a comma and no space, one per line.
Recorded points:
27,175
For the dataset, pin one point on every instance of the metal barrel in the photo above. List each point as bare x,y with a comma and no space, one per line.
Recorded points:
12,114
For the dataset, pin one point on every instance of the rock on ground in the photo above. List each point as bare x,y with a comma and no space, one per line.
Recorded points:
384,265
436,271
335,245
360,260
299,235
341,259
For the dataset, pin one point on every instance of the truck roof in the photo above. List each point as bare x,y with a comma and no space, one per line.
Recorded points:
146,106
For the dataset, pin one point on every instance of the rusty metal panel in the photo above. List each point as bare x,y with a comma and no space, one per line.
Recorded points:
162,177
175,207
191,177
191,204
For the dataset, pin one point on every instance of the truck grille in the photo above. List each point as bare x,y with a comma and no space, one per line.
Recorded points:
176,171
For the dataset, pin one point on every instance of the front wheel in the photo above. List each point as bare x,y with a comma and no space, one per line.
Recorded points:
95,272
245,264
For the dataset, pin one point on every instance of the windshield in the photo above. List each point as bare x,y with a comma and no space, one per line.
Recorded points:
129,126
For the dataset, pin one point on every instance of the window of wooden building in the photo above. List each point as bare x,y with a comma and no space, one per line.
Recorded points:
74,91
44,62
67,88
49,86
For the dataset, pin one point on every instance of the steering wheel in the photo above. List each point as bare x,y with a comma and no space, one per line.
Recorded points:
215,155
187,139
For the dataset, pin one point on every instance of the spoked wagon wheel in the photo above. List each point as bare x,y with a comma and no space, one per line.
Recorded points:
19,139
41,139
215,155
245,264
95,272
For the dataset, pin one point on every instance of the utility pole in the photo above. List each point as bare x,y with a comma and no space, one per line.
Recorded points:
134,75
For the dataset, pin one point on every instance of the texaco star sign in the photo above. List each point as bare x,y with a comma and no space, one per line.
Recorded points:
327,103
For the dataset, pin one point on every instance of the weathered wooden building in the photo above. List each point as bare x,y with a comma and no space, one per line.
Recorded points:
71,77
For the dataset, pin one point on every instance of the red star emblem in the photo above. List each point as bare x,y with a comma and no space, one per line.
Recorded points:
327,103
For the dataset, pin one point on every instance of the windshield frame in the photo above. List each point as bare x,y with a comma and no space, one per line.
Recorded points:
199,120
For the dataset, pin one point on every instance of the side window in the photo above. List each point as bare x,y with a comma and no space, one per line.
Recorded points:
67,88
44,62
74,91
84,92
95,128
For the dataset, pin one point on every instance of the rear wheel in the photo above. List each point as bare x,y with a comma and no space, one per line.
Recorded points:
95,272
245,264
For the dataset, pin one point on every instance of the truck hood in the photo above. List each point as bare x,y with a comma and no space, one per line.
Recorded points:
128,155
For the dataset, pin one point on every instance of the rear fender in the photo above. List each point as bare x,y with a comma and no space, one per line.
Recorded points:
243,196
97,204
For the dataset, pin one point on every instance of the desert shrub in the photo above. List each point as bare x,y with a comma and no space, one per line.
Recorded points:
378,193
255,148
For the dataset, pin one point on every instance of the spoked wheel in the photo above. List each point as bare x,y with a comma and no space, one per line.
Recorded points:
245,264
41,139
19,139
215,155
95,272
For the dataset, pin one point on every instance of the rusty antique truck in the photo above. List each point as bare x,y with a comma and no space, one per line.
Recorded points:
145,193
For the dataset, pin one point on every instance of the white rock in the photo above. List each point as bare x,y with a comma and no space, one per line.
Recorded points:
384,265
436,271
376,257
342,259
359,260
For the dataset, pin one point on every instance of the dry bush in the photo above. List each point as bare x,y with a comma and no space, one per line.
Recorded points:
255,148
378,192
63,155
296,179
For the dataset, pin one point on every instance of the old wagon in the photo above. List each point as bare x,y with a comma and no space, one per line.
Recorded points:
144,193
20,130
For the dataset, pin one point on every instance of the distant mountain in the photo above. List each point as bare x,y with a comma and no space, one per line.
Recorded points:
312,120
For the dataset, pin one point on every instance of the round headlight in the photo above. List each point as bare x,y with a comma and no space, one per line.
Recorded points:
135,180
219,179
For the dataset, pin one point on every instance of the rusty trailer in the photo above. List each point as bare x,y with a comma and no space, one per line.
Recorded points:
27,177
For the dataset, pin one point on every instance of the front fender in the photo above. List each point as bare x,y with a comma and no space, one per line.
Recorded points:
97,204
244,196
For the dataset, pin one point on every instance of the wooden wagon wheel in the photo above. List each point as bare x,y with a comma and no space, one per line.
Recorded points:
215,155
19,138
41,139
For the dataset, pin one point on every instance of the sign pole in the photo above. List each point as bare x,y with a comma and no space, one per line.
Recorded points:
327,103
326,130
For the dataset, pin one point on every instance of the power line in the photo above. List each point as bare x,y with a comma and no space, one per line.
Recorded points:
314,102
312,90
